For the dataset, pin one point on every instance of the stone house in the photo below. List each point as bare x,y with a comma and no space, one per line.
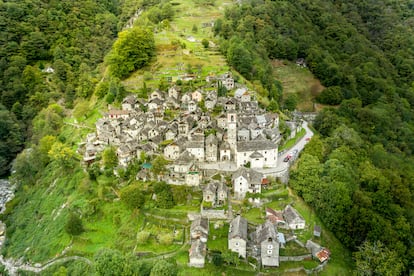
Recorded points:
143,135
267,240
246,180
222,121
172,151
193,177
227,80
196,149
159,117
245,98
276,217
185,99
211,148
225,152
156,104
148,148
171,132
239,93
197,253
125,154
191,106
266,148
129,103
237,238
183,128
216,193
317,251
183,163
174,92
230,105
197,96
156,94
243,134
153,132
210,102
199,229
209,192
115,114
293,219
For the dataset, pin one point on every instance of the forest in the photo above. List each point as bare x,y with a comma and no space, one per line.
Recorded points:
356,173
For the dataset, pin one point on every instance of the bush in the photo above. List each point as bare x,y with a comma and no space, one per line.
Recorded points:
165,238
143,236
205,43
133,197
74,225
164,268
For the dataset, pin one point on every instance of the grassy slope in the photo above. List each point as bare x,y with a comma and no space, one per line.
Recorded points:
172,62
39,236
298,80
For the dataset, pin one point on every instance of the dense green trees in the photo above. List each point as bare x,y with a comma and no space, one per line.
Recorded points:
132,50
356,173
11,139
133,196
48,51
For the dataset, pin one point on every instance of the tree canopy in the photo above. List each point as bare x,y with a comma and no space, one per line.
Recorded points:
133,49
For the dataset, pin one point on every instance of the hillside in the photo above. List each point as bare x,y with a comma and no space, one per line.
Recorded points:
354,176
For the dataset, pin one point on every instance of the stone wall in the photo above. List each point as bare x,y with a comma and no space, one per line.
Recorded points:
295,258
214,214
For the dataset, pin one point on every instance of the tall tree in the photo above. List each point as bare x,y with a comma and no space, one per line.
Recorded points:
133,49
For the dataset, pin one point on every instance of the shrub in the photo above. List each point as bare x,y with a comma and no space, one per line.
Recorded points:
165,238
74,225
133,197
143,236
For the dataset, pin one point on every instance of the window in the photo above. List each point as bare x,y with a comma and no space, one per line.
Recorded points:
237,244
269,251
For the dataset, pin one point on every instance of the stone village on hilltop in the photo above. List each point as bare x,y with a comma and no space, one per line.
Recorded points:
241,141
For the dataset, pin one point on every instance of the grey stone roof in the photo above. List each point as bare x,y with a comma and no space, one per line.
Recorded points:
185,158
238,228
225,146
252,176
199,224
131,99
261,119
211,139
265,232
194,144
254,145
198,249
291,214
221,187
271,259
210,188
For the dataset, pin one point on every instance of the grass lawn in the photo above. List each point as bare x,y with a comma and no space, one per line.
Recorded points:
218,238
255,215
298,80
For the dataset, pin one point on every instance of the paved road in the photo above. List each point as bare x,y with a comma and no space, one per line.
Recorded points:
298,146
